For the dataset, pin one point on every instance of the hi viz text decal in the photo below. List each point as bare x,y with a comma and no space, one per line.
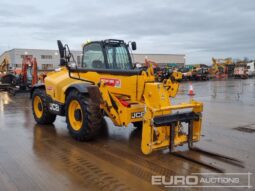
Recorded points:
111,82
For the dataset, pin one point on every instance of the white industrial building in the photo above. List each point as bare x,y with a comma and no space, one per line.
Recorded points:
49,59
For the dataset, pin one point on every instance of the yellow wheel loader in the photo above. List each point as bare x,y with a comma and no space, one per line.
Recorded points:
106,83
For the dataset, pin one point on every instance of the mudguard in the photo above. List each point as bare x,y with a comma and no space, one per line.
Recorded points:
86,88
40,85
81,87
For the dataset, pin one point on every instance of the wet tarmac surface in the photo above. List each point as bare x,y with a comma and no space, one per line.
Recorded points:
35,157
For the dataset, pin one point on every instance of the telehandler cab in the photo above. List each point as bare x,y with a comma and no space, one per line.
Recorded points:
106,83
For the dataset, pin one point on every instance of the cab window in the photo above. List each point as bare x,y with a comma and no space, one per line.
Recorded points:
117,57
93,57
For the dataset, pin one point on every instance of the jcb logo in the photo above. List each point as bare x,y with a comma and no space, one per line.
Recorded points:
54,107
137,115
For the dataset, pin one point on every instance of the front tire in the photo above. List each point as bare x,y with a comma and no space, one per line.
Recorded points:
41,112
84,117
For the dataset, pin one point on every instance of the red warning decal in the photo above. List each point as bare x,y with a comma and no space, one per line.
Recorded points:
111,82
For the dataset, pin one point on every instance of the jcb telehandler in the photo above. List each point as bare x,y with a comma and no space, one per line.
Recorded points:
106,83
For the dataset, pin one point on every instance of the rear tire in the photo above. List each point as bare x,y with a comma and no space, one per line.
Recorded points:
41,112
84,117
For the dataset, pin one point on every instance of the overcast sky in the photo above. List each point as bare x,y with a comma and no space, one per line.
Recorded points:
200,29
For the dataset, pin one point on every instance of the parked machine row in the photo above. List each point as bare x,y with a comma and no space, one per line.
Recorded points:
220,69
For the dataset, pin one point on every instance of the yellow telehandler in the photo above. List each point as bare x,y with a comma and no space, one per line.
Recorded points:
106,83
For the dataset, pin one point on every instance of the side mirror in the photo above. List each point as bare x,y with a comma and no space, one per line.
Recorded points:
133,44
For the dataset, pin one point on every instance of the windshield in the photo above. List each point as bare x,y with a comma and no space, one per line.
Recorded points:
93,57
118,57
107,56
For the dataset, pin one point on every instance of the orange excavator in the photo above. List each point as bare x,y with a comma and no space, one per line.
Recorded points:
29,71
27,77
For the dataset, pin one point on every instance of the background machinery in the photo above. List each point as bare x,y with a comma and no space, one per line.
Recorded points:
29,76
251,68
241,70
4,67
217,69
19,79
186,72
230,65
222,68
162,74
200,72
26,78
6,77
107,84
